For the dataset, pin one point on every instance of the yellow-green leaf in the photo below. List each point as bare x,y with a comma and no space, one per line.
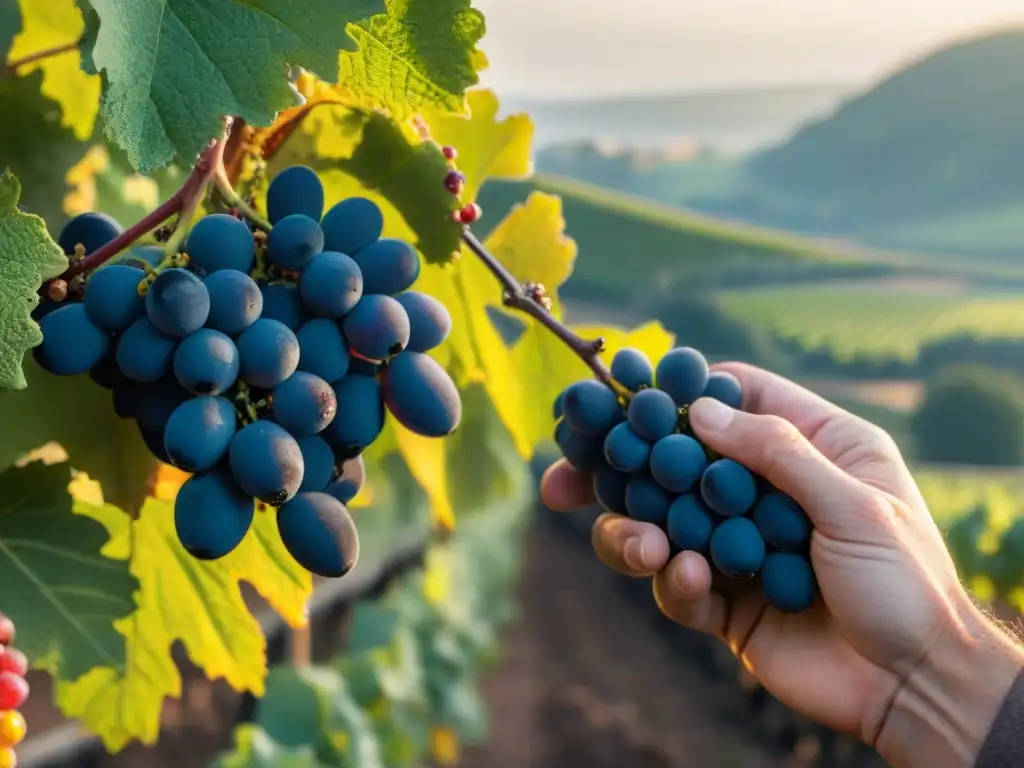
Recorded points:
47,24
420,54
30,256
200,605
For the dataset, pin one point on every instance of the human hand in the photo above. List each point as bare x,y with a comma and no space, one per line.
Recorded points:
894,651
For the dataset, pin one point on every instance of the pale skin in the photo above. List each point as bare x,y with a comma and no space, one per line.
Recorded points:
894,651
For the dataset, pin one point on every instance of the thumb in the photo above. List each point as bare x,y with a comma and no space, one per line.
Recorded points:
772,447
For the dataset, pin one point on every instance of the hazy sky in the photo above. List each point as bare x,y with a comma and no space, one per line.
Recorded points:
583,47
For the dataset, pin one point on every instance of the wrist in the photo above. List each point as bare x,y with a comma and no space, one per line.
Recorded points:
942,714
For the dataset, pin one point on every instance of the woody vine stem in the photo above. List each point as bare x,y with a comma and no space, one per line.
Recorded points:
210,169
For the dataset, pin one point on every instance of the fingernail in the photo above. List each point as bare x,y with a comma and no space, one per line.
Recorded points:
711,414
634,553
684,575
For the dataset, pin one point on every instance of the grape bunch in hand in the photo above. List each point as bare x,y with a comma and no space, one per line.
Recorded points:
646,463
13,694
262,364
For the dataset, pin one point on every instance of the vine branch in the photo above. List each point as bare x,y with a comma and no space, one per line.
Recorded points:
517,297
185,199
46,53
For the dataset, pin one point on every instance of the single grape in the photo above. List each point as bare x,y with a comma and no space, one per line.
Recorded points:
583,452
212,514
429,320
728,488
304,404
318,463
323,350
590,407
268,353
12,731
349,480
389,266
92,230
123,400
788,582
294,241
206,363
782,522
725,388
647,501
610,488
199,432
7,630
8,757
283,303
112,298
421,395
364,367
220,241
689,524
737,549
177,303
154,442
13,660
653,414
360,416
13,691
683,374
677,463
71,343
377,328
236,302
625,450
632,369
351,225
266,462
295,190
318,532
143,353
331,285
154,403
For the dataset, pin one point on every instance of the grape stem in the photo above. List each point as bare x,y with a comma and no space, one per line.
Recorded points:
14,64
515,297
185,199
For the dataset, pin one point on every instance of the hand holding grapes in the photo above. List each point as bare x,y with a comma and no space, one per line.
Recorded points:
894,644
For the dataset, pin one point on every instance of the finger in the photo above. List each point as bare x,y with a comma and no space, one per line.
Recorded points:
628,546
773,448
683,593
768,393
563,488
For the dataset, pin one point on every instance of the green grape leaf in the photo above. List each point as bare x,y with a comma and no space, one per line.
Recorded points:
171,71
373,626
10,25
313,705
30,257
62,593
48,24
410,175
71,411
197,603
255,749
419,55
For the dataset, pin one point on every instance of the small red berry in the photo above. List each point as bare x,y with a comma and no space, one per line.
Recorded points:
470,214
13,690
13,660
57,290
449,153
6,630
455,182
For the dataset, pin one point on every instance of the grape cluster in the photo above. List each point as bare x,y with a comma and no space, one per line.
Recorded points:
13,693
646,463
264,365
